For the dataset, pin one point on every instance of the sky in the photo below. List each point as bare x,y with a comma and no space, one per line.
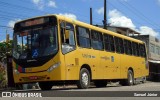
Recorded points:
140,15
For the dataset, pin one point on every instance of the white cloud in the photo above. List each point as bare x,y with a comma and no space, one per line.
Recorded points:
39,3
72,16
12,22
118,19
44,3
100,11
36,1
52,4
147,30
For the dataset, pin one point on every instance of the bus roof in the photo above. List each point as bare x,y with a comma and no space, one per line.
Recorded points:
88,26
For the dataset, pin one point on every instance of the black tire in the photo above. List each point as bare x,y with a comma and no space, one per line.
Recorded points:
100,83
19,86
84,79
45,85
144,79
129,81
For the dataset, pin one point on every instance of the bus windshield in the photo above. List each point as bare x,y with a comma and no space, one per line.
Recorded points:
34,43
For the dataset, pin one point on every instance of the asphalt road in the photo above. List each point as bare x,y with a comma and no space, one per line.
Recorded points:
113,91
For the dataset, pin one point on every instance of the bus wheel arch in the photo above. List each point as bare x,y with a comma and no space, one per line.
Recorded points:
130,78
84,77
88,68
131,69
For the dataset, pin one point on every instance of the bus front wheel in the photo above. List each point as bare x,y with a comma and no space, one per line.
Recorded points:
84,79
45,85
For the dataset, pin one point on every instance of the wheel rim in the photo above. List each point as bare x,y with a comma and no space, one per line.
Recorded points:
85,78
130,78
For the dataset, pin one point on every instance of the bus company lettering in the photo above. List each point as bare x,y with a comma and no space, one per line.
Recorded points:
105,58
88,56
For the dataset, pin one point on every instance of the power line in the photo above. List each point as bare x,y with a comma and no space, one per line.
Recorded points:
137,13
12,13
6,26
122,12
140,13
22,7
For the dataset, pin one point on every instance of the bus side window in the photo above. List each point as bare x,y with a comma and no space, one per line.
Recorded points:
62,25
135,49
128,47
69,34
106,43
67,37
137,46
119,45
83,37
109,43
112,42
97,40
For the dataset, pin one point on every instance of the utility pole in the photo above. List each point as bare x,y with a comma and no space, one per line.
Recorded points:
91,16
7,36
105,15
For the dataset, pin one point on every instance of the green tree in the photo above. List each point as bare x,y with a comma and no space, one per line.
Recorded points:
5,49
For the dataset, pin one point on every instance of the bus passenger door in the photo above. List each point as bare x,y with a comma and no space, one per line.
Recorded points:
68,50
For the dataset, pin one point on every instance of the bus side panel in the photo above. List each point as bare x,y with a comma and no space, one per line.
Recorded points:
136,63
126,63
111,65
90,58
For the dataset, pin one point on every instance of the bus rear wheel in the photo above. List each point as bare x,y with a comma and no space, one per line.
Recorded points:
100,83
19,86
144,79
84,79
45,85
130,79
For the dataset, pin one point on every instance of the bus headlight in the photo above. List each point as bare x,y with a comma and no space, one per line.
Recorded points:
16,71
53,66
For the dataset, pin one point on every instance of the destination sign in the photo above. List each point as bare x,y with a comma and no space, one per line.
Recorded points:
34,22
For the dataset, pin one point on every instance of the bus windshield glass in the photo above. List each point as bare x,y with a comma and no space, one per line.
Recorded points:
35,42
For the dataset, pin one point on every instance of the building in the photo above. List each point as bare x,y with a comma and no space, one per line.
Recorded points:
121,30
153,46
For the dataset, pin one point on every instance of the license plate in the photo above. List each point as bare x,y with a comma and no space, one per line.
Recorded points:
33,77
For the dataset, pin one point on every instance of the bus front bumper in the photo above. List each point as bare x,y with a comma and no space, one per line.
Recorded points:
34,77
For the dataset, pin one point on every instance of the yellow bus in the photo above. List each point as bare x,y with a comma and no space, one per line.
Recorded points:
54,50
